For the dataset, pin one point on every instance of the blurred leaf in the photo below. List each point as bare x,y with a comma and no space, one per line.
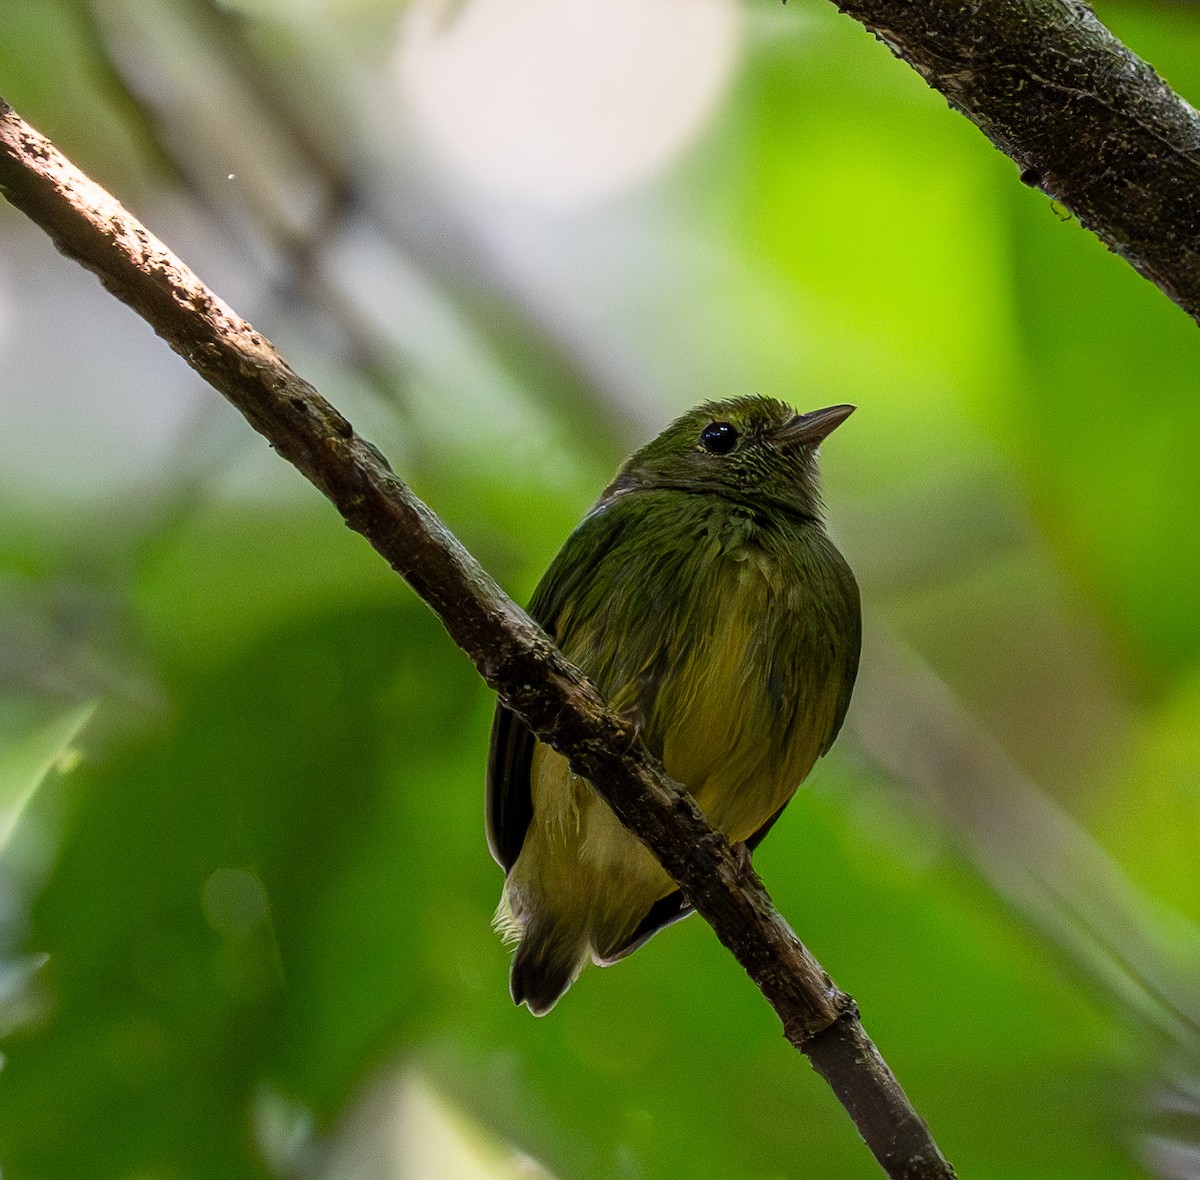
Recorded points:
27,758
161,1026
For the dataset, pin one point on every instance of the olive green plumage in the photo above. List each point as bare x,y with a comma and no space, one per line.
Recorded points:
703,597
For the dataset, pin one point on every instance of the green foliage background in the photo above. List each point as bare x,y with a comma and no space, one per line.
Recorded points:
251,877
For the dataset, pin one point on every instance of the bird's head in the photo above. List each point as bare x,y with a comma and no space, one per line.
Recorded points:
754,450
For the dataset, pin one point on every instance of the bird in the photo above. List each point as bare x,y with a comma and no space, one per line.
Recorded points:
704,598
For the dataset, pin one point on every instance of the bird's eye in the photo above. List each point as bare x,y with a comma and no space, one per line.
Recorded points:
719,437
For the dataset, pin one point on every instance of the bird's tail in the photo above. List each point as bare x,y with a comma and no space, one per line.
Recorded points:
547,962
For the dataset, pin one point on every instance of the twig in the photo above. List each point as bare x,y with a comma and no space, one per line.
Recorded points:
511,653
1084,118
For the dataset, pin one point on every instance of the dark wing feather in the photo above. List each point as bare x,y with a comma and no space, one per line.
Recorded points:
847,627
509,801
663,912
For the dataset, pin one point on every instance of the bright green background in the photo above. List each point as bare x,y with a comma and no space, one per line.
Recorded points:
1019,492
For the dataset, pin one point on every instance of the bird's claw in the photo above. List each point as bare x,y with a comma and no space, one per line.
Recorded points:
744,857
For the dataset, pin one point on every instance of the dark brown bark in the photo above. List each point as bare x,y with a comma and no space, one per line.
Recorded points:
511,653
1084,118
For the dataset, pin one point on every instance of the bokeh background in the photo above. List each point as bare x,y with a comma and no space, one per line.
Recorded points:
244,888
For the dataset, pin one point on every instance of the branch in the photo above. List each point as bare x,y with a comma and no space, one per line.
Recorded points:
511,653
1084,118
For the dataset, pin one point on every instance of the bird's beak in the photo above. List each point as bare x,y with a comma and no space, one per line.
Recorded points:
811,428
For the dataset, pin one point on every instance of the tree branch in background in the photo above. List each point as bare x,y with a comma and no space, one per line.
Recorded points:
511,653
1084,118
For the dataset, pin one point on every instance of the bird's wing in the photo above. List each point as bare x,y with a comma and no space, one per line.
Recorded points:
564,588
509,801
848,625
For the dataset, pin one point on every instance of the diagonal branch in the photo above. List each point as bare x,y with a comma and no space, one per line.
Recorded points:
511,653
1085,119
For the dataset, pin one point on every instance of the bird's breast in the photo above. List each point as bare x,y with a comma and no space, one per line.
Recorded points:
737,722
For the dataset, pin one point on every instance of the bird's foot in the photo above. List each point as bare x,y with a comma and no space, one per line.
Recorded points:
744,857
633,716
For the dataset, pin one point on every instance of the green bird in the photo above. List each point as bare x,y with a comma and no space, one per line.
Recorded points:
705,600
